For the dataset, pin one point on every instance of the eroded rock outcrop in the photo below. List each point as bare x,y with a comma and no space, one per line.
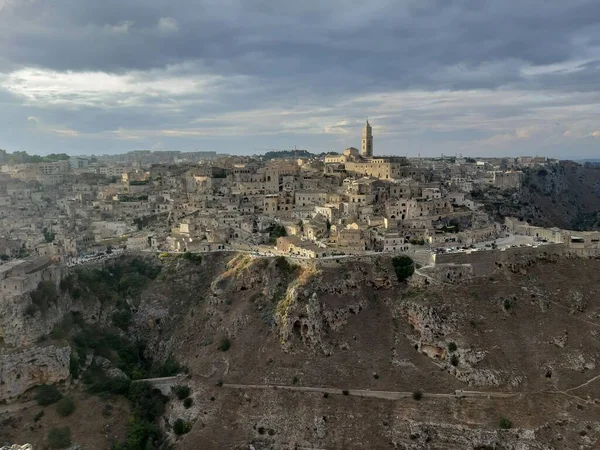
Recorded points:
24,369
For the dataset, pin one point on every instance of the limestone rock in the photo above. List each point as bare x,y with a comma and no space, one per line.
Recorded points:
24,369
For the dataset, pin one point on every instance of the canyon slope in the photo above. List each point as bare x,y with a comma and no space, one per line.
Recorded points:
342,355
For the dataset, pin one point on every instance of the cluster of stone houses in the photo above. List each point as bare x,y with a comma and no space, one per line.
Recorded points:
344,203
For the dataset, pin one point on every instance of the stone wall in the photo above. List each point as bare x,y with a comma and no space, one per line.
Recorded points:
485,261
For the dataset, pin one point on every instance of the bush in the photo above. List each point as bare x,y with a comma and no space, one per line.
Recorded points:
452,347
180,427
65,406
225,344
140,435
295,380
170,368
192,257
47,394
44,295
38,416
188,402
454,360
507,304
74,366
181,391
403,266
282,264
121,319
417,395
219,383
147,403
346,392
505,424
116,386
30,310
59,437
59,332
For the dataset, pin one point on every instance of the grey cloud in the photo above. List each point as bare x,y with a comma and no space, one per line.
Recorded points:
320,56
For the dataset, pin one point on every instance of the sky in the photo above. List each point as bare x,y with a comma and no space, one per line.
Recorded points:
470,77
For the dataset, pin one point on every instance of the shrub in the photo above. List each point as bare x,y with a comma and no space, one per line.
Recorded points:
59,437
192,257
140,435
121,319
417,395
225,344
59,332
346,392
147,404
47,394
403,266
116,386
38,416
30,310
295,380
65,406
181,391
170,368
507,304
452,347
74,366
180,427
282,264
44,295
188,402
454,360
220,383
505,424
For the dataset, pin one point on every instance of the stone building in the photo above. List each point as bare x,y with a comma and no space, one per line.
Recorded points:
366,146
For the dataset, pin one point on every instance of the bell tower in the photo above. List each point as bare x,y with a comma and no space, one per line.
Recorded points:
366,147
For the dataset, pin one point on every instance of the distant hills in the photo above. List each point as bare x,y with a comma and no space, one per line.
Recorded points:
283,154
24,157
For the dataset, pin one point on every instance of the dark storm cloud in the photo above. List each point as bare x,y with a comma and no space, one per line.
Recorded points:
312,68
395,43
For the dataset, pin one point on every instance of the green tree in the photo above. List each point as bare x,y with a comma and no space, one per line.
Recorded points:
403,266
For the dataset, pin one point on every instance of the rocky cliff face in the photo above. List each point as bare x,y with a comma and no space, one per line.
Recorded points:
566,195
25,369
342,355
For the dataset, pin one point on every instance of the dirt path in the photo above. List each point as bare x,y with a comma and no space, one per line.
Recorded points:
14,407
387,395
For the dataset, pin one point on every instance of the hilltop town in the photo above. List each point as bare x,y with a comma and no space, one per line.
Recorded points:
316,270
349,203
